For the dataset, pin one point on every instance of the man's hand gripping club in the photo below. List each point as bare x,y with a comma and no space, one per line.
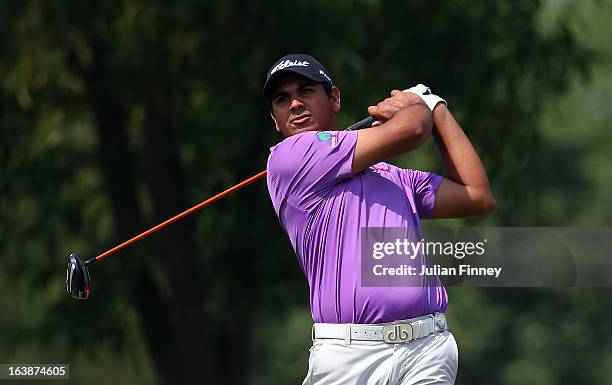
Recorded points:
398,100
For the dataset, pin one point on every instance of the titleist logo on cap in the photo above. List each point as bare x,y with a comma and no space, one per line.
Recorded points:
289,63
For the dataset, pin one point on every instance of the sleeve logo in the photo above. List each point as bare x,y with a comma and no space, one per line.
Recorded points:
323,136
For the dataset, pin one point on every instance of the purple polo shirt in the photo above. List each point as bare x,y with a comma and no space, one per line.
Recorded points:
323,207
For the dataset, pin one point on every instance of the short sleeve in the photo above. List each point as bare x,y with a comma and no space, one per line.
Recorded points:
423,186
303,166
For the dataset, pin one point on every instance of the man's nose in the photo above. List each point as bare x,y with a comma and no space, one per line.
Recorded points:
296,104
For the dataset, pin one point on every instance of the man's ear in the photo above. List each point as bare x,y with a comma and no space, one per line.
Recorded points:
275,122
335,98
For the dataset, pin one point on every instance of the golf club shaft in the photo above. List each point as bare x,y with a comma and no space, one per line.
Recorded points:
359,125
177,217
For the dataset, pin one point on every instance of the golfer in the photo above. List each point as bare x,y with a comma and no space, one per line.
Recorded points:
326,186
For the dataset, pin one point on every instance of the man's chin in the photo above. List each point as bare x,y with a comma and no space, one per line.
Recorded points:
299,129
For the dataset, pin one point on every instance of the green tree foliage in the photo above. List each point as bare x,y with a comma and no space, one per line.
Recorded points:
580,118
117,115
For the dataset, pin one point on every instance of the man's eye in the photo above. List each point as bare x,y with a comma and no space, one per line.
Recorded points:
281,98
307,90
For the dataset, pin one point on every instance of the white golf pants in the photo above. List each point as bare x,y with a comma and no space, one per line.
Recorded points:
429,360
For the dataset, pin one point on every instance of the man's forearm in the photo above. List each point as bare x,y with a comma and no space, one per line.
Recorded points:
461,162
406,130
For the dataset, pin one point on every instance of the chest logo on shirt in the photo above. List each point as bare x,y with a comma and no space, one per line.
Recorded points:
379,169
324,136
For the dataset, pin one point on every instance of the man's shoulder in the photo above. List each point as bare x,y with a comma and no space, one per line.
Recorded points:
287,145
296,147
290,140
287,150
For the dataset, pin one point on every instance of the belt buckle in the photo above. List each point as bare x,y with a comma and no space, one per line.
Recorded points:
397,334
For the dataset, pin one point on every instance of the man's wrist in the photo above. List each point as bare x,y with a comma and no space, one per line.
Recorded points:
440,113
440,109
443,120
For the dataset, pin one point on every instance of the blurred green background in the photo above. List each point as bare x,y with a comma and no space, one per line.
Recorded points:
117,115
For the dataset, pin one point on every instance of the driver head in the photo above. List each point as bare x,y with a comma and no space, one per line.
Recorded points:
77,277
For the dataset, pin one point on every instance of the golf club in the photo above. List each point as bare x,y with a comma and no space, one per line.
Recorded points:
78,281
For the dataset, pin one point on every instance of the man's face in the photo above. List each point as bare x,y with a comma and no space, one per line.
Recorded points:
299,104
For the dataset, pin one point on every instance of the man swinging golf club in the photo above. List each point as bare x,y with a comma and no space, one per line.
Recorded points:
326,186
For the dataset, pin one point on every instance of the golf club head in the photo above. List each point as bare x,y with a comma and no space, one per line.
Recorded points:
77,277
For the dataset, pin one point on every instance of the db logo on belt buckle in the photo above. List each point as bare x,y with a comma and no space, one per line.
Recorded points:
395,334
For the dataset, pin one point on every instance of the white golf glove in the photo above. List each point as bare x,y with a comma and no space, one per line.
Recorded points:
425,93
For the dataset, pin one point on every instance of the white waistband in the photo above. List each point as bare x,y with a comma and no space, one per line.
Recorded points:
392,332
